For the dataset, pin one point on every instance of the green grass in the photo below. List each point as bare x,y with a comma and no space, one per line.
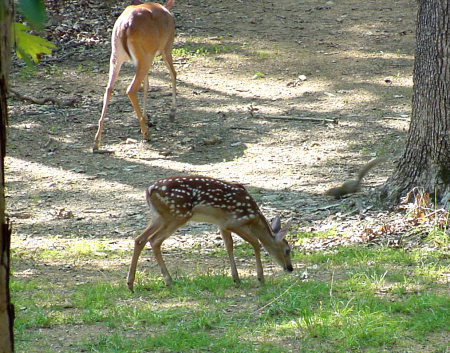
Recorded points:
202,49
266,54
356,299
75,248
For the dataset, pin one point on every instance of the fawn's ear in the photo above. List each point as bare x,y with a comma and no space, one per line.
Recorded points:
281,234
136,2
276,224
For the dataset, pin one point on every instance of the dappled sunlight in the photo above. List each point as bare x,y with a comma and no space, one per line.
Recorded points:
50,179
286,98
51,201
394,57
26,126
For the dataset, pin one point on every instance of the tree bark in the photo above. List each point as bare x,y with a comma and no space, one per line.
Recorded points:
6,308
426,159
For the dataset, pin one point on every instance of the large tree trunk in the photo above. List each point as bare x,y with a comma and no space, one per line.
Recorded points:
426,160
6,308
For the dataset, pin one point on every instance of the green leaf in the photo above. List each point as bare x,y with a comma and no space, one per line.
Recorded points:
30,45
257,76
34,12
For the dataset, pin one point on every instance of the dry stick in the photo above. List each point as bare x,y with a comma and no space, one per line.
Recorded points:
395,118
67,46
297,118
66,102
331,286
240,128
56,59
323,208
64,56
103,152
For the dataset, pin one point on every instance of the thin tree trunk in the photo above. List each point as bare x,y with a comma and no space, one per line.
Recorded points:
6,308
426,160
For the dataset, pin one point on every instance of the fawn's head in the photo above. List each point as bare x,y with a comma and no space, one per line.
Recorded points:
282,251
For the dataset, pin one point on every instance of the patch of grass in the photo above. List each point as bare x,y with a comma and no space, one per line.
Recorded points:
243,250
257,76
439,238
266,54
176,340
74,249
355,299
39,307
54,70
303,237
27,72
203,49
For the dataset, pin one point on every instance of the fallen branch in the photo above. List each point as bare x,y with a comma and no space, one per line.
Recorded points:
62,102
68,46
395,118
322,208
103,151
240,128
56,58
296,118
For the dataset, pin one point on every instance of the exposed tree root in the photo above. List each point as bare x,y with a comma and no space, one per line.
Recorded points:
69,101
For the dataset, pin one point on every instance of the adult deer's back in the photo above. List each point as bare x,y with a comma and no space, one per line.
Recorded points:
140,33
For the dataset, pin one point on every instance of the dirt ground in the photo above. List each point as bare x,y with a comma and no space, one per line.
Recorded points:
346,63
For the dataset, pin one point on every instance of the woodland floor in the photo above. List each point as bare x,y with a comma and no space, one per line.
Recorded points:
237,61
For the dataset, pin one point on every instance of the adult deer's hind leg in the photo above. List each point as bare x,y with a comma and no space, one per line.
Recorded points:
114,69
144,62
167,57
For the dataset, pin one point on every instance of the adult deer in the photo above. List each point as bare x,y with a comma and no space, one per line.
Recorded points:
177,200
139,34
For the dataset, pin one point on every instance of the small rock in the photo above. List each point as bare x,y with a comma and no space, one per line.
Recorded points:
165,153
212,140
131,141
